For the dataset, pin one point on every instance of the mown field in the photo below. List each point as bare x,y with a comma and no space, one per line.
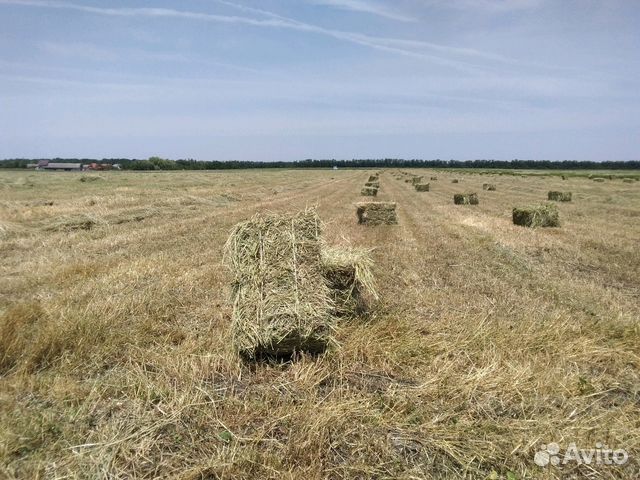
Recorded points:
489,340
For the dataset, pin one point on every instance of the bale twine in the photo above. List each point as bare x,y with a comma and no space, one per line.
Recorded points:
545,215
369,192
466,199
376,213
559,196
422,187
281,303
348,272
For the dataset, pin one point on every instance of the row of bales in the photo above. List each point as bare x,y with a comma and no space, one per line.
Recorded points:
543,215
375,213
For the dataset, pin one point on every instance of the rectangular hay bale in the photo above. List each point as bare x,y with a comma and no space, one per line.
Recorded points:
559,196
369,192
545,215
466,199
422,187
281,303
376,213
489,186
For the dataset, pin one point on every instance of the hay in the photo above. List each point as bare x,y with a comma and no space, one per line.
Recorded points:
559,196
372,184
417,179
373,178
348,274
281,303
466,199
545,215
369,192
455,180
434,178
628,180
489,186
422,187
376,213
90,178
70,223
598,179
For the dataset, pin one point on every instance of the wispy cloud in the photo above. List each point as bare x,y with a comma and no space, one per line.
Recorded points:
489,6
365,7
455,57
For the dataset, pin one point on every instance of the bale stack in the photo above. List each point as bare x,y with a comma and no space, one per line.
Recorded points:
489,186
559,196
466,199
281,303
350,279
422,187
376,213
545,215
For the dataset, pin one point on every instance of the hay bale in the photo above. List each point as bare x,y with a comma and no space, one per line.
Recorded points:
417,179
564,177
372,184
90,178
598,179
407,180
369,192
422,187
348,274
373,178
455,180
434,178
545,215
281,303
559,196
489,186
376,213
466,199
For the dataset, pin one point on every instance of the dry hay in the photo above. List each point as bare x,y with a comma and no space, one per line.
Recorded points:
70,223
564,177
376,213
372,184
455,180
559,196
489,186
598,179
281,303
407,180
417,179
421,187
90,178
466,199
373,178
434,178
348,274
545,215
369,192
628,180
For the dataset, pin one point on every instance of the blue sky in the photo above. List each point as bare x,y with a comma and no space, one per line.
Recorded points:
293,79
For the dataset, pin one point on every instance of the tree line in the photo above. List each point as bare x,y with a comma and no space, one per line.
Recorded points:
157,163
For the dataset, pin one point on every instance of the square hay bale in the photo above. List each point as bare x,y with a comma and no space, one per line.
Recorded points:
455,180
372,184
422,187
376,213
434,178
466,199
545,215
559,196
369,192
489,186
417,179
348,274
373,178
281,303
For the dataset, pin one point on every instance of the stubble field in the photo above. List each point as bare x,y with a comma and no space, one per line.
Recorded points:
489,340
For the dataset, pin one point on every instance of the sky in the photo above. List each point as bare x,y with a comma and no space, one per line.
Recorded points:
295,79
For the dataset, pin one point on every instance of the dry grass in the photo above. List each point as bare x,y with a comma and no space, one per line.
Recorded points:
488,339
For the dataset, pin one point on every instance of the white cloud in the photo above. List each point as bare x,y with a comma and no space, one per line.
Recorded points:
365,7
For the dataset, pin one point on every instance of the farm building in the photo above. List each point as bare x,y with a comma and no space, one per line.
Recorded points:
67,167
